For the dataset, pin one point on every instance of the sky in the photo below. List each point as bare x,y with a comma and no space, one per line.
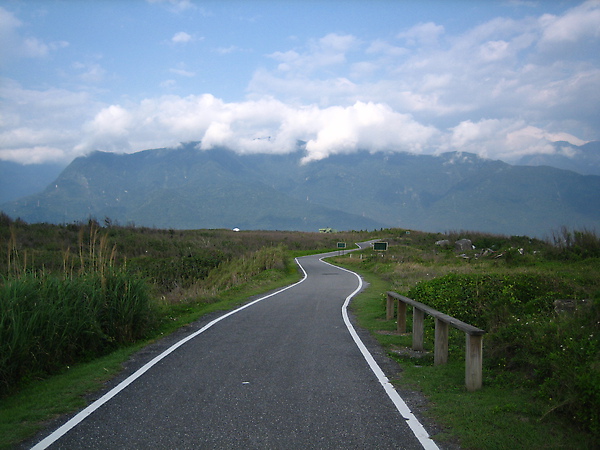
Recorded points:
501,79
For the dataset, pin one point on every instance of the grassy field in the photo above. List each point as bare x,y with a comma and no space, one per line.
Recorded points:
541,364
541,380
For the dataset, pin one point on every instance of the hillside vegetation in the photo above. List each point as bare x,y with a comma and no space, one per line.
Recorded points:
186,188
72,293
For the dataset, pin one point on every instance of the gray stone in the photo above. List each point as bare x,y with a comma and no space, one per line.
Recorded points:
463,244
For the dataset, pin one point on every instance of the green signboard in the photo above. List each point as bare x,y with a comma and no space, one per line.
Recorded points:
341,245
380,246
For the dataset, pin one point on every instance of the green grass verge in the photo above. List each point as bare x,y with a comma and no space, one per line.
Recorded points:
25,413
495,417
38,401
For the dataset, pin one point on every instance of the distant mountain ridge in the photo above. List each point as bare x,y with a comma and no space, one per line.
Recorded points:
187,188
583,159
20,180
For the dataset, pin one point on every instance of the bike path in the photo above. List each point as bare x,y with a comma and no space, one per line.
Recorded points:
282,372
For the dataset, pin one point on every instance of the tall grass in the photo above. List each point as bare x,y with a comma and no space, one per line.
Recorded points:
51,320
240,271
47,322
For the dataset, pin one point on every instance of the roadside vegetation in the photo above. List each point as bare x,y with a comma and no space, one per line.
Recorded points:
76,300
539,302
88,294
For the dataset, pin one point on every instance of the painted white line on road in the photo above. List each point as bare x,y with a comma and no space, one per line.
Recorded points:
83,414
416,427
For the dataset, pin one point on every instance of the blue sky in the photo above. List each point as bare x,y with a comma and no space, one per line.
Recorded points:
498,78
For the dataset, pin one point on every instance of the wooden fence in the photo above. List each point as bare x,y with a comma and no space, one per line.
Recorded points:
474,336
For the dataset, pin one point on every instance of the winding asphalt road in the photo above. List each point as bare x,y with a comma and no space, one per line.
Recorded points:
286,371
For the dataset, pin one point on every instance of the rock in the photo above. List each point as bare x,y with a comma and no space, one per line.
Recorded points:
565,306
463,244
443,243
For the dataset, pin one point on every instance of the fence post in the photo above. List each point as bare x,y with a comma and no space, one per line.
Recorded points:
473,362
417,331
440,353
401,308
389,308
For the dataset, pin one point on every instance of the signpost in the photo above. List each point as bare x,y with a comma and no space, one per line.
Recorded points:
341,245
380,246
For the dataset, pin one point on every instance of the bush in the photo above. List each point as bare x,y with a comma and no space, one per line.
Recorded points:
491,301
557,353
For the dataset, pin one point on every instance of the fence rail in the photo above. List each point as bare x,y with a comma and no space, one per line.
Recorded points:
474,335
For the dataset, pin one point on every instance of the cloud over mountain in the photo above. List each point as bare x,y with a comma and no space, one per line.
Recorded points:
503,87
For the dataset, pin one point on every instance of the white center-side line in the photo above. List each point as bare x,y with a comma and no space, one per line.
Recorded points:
78,418
416,427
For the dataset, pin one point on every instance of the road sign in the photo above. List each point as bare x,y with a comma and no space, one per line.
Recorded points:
341,245
380,246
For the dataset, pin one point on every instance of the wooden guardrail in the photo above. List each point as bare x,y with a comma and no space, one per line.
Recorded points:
474,336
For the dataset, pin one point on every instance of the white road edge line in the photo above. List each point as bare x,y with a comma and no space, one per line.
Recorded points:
416,427
84,413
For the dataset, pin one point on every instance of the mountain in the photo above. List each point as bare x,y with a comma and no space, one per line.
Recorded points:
18,180
188,188
583,159
175,188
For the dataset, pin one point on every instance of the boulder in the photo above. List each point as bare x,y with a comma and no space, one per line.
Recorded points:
463,244
443,243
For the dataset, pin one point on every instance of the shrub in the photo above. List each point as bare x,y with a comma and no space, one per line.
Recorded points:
557,353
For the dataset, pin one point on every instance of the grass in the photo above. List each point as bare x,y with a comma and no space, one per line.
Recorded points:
39,401
505,413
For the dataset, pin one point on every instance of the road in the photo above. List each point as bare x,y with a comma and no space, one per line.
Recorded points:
286,371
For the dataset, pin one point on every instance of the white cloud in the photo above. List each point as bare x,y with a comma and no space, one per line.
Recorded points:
33,155
502,89
379,46
506,139
260,125
265,125
34,120
578,23
15,45
327,51
181,37
90,72
176,5
366,126
228,50
183,72
423,33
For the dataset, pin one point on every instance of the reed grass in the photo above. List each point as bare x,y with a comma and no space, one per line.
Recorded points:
48,323
51,320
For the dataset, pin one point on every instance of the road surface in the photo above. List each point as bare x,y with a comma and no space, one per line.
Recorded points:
286,371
